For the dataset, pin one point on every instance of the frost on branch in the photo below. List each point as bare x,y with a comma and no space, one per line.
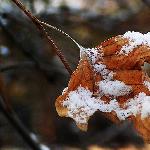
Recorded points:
109,79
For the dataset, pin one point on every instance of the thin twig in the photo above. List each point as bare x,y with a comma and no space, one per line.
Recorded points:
38,63
11,116
45,34
60,31
5,106
17,124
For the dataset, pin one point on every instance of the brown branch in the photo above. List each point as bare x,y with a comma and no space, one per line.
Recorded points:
11,116
18,125
38,24
38,63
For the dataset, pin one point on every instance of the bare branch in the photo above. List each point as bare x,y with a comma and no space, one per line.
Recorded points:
11,116
45,34
38,63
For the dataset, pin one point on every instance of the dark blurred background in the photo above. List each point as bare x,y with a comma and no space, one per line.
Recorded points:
34,75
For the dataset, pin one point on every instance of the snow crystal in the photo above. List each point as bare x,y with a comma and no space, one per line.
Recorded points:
92,53
147,84
145,107
105,73
139,104
114,88
81,105
135,39
95,54
65,90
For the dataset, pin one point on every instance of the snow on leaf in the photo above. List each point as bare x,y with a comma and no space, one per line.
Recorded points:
106,81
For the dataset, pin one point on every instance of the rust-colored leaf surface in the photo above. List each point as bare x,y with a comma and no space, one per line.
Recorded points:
110,79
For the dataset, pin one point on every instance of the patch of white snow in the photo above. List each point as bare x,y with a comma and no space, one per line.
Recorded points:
114,88
135,39
104,72
81,105
147,84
